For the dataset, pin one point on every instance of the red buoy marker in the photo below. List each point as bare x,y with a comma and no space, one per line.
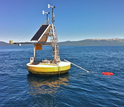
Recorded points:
107,73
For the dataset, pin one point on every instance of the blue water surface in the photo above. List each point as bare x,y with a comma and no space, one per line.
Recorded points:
77,88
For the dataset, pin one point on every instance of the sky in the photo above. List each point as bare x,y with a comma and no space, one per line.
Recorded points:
74,19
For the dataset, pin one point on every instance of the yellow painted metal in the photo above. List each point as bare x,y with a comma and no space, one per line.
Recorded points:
10,42
38,46
48,70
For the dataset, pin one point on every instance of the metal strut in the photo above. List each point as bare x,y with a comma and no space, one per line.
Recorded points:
55,47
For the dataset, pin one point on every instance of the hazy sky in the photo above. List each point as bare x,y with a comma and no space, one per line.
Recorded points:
74,19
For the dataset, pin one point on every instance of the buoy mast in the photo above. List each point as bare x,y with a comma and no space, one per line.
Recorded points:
54,38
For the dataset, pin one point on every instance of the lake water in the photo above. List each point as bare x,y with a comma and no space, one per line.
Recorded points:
77,88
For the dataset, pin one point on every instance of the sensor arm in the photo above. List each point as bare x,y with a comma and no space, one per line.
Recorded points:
47,19
52,12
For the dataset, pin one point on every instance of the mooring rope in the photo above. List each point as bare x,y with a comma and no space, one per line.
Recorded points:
77,66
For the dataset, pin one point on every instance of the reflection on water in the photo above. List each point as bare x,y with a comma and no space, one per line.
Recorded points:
43,85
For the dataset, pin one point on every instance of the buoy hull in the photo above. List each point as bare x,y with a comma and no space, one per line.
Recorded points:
49,69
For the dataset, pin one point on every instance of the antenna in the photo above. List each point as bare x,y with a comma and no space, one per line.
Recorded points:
52,12
47,19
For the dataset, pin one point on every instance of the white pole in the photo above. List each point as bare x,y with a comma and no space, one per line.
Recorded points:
55,51
34,53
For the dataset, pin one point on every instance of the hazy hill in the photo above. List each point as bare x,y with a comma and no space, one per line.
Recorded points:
3,43
94,42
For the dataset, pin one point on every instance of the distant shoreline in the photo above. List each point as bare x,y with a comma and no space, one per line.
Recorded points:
94,42
85,42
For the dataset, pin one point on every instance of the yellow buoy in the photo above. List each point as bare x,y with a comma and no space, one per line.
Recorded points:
49,68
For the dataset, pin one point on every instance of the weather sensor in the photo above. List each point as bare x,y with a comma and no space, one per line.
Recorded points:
52,12
47,19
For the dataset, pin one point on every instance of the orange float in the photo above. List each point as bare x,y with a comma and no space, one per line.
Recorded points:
107,73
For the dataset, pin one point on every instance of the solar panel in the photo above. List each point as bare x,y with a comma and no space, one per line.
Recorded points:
40,32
